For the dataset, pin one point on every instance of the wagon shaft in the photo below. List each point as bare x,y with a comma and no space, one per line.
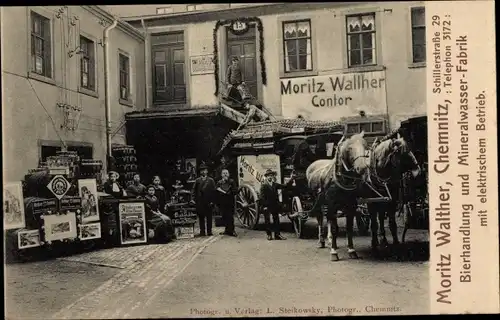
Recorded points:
374,200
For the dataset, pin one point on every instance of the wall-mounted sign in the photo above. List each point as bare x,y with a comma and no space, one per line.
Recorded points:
239,27
332,97
202,64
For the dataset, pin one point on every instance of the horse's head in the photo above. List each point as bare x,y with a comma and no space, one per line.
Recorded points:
354,153
402,157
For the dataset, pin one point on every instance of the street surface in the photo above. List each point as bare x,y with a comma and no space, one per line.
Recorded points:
223,276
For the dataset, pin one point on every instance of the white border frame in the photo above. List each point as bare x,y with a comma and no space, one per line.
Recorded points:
28,246
49,220
91,184
17,189
80,236
142,215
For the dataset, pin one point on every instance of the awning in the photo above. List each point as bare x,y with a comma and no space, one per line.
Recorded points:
172,114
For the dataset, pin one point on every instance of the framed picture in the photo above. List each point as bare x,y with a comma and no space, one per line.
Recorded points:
13,206
90,231
60,227
28,239
87,189
132,219
191,169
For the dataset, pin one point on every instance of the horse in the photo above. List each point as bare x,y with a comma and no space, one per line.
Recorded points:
389,160
335,183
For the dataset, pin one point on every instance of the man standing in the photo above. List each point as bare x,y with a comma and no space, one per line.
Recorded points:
203,196
137,189
270,203
227,189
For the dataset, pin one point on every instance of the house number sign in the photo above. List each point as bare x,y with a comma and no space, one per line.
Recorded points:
239,27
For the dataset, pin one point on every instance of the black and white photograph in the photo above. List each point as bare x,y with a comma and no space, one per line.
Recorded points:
28,239
90,231
88,193
132,223
250,159
13,206
59,226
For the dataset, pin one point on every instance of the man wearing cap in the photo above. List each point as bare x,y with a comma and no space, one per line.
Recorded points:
112,187
269,201
203,195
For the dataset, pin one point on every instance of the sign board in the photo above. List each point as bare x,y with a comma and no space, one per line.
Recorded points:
202,64
43,206
70,203
185,232
333,97
183,216
251,169
59,186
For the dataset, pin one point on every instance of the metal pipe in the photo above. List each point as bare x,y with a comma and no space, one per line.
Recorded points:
146,65
107,98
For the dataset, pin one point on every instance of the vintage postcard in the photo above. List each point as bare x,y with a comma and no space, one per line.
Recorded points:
87,189
28,239
13,206
132,221
360,140
60,226
90,231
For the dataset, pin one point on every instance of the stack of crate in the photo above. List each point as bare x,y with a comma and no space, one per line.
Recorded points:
126,163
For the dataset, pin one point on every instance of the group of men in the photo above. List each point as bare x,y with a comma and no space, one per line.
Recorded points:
206,193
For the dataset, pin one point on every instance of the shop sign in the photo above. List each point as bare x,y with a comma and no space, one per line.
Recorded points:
184,232
332,97
202,64
239,27
184,216
251,169
59,186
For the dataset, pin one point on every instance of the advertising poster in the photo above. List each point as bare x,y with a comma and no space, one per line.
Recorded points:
28,239
87,189
13,206
132,223
90,231
60,227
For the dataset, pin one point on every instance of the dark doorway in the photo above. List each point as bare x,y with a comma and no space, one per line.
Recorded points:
244,47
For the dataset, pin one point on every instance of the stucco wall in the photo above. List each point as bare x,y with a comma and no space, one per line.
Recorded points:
405,85
27,122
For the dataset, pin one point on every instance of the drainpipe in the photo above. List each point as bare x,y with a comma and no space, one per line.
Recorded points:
146,64
107,101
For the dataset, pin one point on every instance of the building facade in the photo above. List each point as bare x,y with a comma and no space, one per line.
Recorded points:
53,74
318,60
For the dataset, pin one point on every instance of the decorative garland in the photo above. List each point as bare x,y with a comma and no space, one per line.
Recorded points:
260,28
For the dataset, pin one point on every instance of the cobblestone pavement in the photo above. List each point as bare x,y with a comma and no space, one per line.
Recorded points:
145,270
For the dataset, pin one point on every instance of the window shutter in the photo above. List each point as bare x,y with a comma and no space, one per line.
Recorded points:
47,52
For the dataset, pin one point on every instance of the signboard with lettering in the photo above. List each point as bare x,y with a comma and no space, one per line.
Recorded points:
202,64
332,97
70,204
41,207
251,169
59,186
183,216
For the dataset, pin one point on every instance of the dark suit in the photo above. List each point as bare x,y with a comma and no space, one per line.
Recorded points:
269,199
226,203
108,188
204,194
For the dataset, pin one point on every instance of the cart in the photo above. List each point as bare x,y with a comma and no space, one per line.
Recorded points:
284,146
414,211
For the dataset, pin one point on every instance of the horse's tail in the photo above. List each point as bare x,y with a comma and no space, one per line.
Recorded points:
316,208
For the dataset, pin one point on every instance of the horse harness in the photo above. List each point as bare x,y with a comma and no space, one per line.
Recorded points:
340,178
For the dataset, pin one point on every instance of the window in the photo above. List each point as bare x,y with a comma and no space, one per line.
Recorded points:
361,40
124,77
194,7
297,45
165,10
372,127
418,34
87,64
169,68
41,54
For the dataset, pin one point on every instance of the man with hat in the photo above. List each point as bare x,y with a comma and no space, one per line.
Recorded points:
112,187
269,200
203,195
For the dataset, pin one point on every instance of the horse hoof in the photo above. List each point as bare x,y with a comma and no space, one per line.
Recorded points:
322,244
334,257
353,255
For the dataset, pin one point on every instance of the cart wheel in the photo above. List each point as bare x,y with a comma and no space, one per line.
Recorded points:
247,209
363,220
298,222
